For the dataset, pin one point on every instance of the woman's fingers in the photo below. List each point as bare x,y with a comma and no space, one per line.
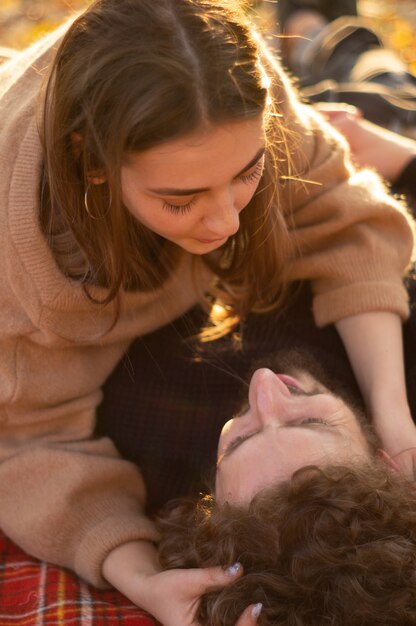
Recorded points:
211,578
250,616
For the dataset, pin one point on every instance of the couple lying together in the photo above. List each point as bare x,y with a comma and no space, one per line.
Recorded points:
153,159
320,521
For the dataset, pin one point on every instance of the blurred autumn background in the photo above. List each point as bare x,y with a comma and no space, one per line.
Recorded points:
23,21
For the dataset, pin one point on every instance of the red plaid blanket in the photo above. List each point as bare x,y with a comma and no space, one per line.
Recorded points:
34,593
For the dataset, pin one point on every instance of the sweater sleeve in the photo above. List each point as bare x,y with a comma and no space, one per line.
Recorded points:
350,238
66,496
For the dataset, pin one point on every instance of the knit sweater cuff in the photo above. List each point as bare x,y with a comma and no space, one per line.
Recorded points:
102,539
333,306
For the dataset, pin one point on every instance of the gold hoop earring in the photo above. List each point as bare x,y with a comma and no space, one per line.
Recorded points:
87,208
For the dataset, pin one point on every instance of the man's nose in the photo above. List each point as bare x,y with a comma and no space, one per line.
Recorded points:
223,218
270,397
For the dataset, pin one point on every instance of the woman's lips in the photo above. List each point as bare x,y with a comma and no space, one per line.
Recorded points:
210,240
290,381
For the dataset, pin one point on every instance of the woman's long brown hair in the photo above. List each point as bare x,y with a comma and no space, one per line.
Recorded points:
129,75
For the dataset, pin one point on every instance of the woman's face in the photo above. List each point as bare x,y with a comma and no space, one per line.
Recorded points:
191,190
288,424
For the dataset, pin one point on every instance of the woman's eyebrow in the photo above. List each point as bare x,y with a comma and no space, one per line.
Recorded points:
173,191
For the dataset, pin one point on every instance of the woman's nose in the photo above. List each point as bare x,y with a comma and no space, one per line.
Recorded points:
223,218
269,397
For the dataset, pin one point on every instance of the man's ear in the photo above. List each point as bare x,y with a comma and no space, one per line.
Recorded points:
95,177
388,460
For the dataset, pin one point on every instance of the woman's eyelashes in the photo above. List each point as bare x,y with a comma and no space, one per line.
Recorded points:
247,179
179,208
255,175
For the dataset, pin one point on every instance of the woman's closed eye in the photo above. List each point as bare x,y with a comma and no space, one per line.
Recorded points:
255,175
247,178
179,208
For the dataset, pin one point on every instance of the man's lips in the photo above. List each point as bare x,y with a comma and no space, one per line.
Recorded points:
290,381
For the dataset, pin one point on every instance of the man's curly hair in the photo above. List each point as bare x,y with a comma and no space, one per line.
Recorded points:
331,546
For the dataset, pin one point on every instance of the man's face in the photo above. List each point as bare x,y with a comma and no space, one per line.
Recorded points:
290,422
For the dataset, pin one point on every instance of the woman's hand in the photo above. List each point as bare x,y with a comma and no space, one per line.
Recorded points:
398,435
171,596
250,615
406,460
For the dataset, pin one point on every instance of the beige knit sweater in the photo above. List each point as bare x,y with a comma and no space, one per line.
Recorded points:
69,498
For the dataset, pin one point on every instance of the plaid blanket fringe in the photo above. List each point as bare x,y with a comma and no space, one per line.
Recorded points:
35,593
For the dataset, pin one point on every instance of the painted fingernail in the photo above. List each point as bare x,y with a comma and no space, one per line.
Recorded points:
256,610
233,569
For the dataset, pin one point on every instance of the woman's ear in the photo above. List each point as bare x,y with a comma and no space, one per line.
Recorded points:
76,144
95,177
388,460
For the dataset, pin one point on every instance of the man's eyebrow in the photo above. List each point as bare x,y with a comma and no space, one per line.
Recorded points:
173,191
